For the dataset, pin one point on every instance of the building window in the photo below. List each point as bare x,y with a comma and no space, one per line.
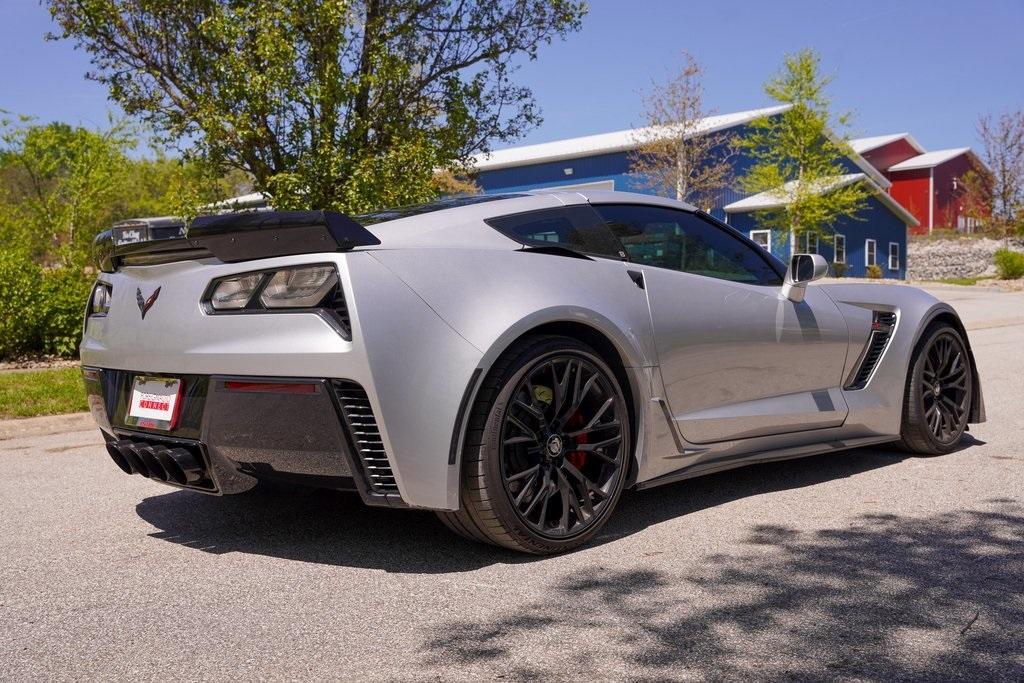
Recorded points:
840,244
869,253
809,243
894,256
763,238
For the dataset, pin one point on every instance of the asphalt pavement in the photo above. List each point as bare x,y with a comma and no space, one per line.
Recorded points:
870,565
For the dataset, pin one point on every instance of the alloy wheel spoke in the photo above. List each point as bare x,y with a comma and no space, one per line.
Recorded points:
529,408
525,473
578,395
593,447
539,496
522,427
526,489
593,430
588,484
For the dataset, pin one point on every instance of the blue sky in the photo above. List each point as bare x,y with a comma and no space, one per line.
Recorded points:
928,67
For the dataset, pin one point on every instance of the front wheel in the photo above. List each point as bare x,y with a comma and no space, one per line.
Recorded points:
547,449
940,388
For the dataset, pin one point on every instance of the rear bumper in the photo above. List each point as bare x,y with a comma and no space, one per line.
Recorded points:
309,431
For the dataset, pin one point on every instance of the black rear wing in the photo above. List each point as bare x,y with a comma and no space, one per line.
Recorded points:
230,237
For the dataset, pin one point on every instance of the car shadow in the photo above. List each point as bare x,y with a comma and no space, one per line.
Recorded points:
333,528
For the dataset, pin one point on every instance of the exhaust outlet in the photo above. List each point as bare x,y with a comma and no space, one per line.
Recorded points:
127,451
174,471
119,460
191,468
168,463
156,470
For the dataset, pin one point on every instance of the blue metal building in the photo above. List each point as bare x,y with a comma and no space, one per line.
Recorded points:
878,235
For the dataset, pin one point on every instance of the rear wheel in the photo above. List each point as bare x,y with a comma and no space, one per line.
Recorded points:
937,400
546,451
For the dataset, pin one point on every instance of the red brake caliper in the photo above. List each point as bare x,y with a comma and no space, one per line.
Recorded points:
577,458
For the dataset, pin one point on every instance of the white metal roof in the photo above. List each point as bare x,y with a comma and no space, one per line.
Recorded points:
863,145
773,199
929,159
605,143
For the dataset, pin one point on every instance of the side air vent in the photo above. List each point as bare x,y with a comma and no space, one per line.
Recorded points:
362,426
339,307
882,326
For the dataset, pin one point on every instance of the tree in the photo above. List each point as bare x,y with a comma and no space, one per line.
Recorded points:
60,185
1002,140
797,155
346,104
674,157
57,184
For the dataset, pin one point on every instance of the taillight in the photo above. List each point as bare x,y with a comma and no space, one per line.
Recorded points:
300,287
99,301
235,292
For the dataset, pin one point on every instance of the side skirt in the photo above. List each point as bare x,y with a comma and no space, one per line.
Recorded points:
732,462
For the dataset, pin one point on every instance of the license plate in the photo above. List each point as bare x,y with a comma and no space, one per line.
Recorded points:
155,403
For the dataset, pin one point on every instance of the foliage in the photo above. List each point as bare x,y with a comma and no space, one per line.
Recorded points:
874,272
975,197
58,183
839,269
797,156
40,309
344,104
449,185
1002,141
20,284
1009,264
673,158
61,185
41,392
962,281
63,296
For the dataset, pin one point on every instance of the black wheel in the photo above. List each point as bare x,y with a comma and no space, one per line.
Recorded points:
547,449
937,401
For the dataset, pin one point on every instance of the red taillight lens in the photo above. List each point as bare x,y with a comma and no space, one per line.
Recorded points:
271,387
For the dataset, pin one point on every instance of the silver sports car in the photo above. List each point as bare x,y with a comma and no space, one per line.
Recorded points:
512,362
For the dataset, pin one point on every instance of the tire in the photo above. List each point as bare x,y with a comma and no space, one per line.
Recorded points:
543,476
939,391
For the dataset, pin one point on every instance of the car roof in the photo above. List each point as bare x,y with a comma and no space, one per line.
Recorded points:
459,222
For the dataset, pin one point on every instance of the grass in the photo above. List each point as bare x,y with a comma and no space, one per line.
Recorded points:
961,280
41,392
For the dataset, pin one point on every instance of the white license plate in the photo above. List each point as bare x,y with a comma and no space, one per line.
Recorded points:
155,403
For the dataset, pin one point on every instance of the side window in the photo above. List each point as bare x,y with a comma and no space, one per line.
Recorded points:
576,227
687,242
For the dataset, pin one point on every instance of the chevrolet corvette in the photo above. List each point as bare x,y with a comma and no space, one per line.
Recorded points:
512,362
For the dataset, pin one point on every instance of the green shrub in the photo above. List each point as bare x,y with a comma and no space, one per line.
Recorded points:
40,310
62,307
1009,264
20,282
874,272
839,269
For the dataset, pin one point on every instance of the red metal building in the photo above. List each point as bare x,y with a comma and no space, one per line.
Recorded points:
927,184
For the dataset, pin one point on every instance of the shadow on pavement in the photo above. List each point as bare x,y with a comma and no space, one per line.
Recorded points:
337,529
888,598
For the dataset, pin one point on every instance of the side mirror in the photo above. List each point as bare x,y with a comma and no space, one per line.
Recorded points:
803,268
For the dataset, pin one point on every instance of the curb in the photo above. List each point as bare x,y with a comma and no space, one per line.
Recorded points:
45,425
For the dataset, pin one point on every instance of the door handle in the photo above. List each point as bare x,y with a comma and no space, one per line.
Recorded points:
637,277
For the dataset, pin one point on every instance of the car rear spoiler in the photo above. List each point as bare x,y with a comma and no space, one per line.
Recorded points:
230,237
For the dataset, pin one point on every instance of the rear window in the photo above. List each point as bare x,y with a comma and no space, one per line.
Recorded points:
418,209
579,228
